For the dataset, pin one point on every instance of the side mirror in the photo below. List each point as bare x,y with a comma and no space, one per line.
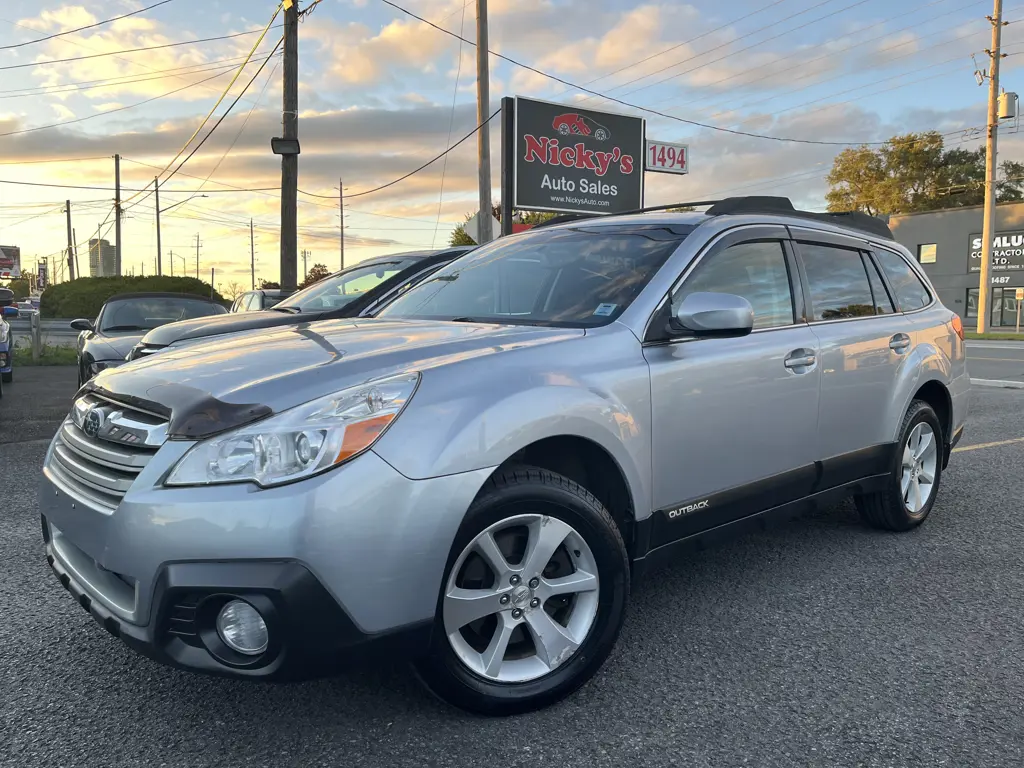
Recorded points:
81,325
714,314
10,312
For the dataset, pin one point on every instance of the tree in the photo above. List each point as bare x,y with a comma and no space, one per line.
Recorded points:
316,273
459,237
233,290
915,172
266,285
21,288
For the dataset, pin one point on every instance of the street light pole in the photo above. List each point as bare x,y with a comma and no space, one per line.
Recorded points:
159,253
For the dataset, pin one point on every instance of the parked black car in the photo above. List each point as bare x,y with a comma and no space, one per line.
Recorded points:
258,300
358,290
125,318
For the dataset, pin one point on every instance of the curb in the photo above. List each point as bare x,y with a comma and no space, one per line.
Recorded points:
996,383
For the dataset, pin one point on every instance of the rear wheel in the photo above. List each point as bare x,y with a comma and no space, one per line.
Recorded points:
916,472
533,598
8,377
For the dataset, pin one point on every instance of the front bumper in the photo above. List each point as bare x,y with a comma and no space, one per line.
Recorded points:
343,566
310,635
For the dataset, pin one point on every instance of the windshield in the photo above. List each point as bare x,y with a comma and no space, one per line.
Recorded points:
338,290
147,312
272,301
576,276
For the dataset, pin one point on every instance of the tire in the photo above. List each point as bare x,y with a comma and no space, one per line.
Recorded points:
8,377
889,509
551,503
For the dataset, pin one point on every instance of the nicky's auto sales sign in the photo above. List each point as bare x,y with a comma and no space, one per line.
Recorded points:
576,160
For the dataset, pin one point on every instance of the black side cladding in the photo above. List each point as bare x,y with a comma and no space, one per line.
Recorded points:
192,414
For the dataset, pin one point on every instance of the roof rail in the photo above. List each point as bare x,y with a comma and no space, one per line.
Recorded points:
782,206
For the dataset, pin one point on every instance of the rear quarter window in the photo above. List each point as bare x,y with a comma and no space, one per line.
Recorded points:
911,292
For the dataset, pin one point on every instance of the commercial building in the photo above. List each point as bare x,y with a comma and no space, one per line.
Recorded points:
102,259
947,243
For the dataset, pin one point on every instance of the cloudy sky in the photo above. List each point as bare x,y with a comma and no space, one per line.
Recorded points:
381,93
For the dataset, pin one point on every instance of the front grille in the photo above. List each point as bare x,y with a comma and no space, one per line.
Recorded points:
99,466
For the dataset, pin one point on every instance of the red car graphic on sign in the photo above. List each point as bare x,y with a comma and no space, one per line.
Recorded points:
579,125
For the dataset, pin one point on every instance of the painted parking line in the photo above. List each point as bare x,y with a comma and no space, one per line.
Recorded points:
996,444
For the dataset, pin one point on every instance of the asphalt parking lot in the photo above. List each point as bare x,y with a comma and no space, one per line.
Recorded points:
818,643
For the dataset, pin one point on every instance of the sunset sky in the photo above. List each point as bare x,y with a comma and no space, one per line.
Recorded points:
381,93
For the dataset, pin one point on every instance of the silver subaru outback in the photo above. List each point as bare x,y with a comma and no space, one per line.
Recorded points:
474,477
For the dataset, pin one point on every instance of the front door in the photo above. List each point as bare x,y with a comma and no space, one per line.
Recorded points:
735,418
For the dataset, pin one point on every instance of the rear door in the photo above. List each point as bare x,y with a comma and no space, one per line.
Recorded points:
863,345
735,419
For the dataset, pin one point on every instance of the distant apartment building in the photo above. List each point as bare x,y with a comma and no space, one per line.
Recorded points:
102,261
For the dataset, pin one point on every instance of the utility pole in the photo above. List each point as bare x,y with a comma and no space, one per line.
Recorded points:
991,165
341,231
74,240
305,266
213,274
252,257
171,254
159,253
197,255
117,215
71,242
290,159
483,107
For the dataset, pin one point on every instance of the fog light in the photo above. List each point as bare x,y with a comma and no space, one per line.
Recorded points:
242,628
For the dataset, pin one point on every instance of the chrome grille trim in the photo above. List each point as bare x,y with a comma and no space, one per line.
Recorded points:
97,467
102,453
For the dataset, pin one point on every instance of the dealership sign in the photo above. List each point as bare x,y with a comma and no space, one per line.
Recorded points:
10,262
574,160
1007,251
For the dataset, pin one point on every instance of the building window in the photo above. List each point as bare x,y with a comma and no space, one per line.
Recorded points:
926,253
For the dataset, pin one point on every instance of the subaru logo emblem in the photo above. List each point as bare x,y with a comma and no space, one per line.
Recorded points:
92,422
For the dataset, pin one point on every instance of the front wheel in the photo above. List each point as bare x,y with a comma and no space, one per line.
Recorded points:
8,377
916,472
533,598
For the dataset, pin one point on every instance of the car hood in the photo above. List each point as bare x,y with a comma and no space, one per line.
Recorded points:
219,384
215,325
112,347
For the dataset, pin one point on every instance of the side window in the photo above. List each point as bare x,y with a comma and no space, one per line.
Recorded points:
883,304
252,302
235,303
910,291
756,271
837,281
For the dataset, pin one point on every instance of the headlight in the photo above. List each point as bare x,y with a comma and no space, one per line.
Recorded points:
299,442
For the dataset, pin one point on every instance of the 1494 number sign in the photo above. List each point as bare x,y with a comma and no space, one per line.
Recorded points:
662,157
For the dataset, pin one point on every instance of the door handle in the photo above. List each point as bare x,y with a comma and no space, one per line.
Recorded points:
800,358
899,343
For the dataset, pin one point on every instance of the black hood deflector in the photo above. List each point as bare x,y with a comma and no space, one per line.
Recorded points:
192,414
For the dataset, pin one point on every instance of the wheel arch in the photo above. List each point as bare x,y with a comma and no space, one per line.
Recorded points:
591,466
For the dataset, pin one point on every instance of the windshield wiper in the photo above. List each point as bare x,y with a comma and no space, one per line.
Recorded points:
125,328
289,310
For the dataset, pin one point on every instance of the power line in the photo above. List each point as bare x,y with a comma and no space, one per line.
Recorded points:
417,170
637,107
112,111
123,189
225,93
82,29
831,54
116,82
135,50
687,42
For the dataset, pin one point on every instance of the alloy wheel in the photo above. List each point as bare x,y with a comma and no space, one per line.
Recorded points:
920,461
521,598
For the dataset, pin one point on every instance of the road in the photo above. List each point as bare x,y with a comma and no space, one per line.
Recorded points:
996,360
818,643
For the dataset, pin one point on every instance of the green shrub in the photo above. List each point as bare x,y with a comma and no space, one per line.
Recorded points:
84,297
